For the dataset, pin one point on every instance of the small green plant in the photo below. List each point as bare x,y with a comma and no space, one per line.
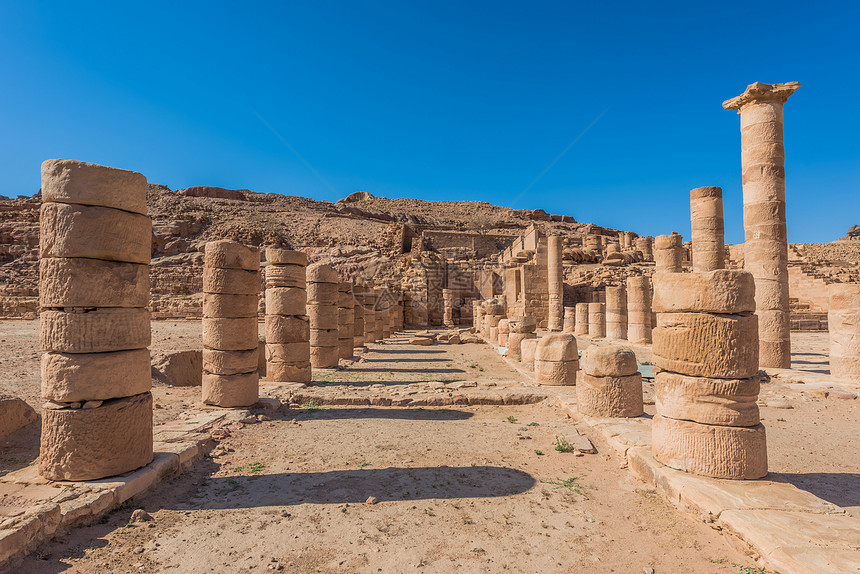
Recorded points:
363,463
781,420
238,468
539,452
256,466
533,424
512,419
753,569
568,483
562,444
233,483
717,561
310,407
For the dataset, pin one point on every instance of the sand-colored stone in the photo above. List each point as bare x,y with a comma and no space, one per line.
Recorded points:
289,372
231,390
14,414
616,312
528,348
569,325
555,282
720,291
94,331
710,450
707,345
285,276
668,253
596,320
230,334
80,282
557,347
218,305
609,361
287,329
225,254
515,341
219,362
619,396
276,256
639,309
95,376
288,352
727,402
555,372
78,182
706,215
325,357
94,233
580,326
323,337
87,444
322,316
231,281
843,320
321,273
322,293
178,368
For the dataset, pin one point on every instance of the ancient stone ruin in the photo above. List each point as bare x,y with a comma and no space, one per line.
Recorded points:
288,351
609,384
556,359
322,312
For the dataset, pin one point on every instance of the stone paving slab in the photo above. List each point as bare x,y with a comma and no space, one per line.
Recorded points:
33,509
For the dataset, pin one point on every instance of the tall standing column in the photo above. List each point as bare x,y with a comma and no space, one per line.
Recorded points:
569,320
706,218
448,308
322,312
597,320
668,253
345,320
765,237
288,351
639,309
616,312
231,354
843,323
580,326
358,316
555,282
94,244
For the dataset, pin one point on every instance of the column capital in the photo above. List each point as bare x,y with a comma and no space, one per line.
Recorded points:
757,92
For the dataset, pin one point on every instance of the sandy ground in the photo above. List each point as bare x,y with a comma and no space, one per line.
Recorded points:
459,489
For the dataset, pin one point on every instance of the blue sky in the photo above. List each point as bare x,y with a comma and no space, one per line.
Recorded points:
440,100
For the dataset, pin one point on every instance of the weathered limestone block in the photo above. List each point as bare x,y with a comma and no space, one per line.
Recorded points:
668,253
596,320
80,282
706,215
325,357
14,414
178,368
218,305
555,372
515,341
609,361
580,326
219,362
557,347
528,348
231,390
322,293
710,450
720,291
321,273
225,254
285,276
94,331
616,312
230,334
94,232
421,341
727,402
276,256
707,345
81,377
78,182
288,352
289,372
569,325
639,309
843,320
87,444
615,396
503,332
322,316
231,281
287,329
323,337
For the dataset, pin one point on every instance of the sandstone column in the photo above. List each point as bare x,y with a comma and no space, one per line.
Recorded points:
371,335
387,314
597,320
381,315
288,351
706,347
358,316
231,292
556,360
95,241
669,253
639,309
503,331
477,318
322,313
765,238
706,216
555,281
580,326
569,320
843,322
616,312
646,246
520,329
610,384
345,320
448,307
528,349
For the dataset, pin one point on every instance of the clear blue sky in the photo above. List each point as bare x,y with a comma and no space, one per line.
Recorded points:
440,100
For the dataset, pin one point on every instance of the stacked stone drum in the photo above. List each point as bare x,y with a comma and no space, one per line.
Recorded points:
231,290
843,322
95,241
519,329
580,326
616,312
345,320
288,352
706,347
639,309
569,325
610,384
669,253
322,312
358,316
597,320
556,360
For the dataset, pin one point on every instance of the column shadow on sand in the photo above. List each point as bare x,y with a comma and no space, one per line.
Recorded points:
839,488
408,351
356,486
410,414
397,370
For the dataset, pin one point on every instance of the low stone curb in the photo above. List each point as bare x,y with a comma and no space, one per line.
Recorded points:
33,509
